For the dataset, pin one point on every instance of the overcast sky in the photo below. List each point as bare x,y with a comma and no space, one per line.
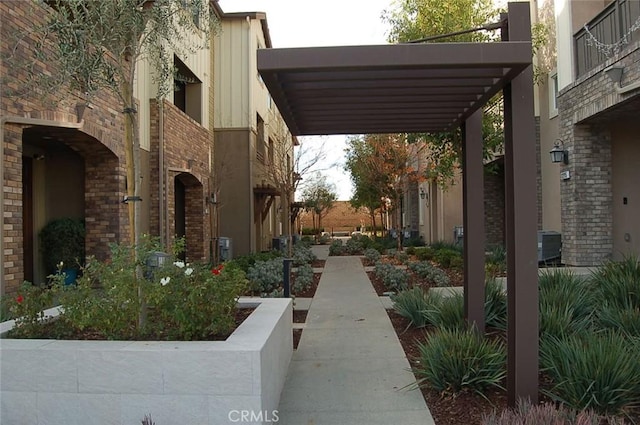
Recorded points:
306,23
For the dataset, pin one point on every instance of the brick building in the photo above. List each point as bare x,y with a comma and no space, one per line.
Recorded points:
592,115
64,159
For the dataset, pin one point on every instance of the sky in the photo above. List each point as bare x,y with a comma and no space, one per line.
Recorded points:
308,23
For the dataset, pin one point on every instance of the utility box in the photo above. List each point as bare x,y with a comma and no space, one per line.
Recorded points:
549,245
458,235
225,251
279,244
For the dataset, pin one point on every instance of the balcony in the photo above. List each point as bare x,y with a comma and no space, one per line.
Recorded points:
609,27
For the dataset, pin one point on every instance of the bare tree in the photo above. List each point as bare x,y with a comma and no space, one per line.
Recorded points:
285,166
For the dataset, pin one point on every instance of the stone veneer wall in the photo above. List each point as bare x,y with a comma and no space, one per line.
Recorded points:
587,204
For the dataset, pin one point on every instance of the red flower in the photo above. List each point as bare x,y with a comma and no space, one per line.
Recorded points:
216,271
19,299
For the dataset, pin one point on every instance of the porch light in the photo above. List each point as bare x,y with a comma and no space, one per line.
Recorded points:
558,153
614,72
424,196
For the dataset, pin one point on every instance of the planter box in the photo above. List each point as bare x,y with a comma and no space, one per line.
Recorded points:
119,382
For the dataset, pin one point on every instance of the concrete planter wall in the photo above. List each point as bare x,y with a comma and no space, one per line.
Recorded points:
119,382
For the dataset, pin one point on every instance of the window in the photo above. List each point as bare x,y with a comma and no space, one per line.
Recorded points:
271,150
260,148
187,90
553,94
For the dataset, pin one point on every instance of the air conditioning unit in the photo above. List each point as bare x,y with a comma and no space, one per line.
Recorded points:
225,249
549,245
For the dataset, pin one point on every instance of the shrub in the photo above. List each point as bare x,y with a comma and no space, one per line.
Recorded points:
357,244
495,305
265,276
566,303
598,371
62,241
401,256
414,305
372,255
425,253
448,258
547,414
619,282
392,277
245,262
303,255
440,245
456,360
183,301
27,307
496,261
411,250
430,272
625,320
450,313
336,247
304,278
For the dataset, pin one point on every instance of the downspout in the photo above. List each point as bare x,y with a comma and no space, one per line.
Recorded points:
26,121
161,210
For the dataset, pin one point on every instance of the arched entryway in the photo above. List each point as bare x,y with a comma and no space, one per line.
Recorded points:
67,173
188,215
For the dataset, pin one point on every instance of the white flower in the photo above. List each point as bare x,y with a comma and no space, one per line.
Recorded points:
165,280
188,271
179,264
60,264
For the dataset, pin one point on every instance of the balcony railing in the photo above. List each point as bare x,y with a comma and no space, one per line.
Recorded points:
609,28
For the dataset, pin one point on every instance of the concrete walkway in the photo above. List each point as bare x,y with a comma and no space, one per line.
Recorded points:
349,367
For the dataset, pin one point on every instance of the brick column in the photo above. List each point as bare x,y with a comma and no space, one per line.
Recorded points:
587,200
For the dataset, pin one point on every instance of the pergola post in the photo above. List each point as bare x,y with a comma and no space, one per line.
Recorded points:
473,221
521,223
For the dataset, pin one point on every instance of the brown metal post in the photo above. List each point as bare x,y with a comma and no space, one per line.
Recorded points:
521,223
473,219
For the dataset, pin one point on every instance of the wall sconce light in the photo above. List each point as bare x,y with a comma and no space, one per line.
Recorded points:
212,199
424,196
558,153
614,72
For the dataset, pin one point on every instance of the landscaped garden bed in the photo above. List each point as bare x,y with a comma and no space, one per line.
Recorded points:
589,329
164,340
81,382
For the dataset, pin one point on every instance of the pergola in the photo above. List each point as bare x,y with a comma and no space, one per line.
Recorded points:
439,87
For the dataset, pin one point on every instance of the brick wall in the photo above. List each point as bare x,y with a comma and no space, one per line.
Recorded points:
494,204
99,141
341,217
587,204
186,156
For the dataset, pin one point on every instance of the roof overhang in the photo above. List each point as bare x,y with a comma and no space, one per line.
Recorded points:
402,88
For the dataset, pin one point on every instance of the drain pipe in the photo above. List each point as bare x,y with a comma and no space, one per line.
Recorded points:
161,210
26,121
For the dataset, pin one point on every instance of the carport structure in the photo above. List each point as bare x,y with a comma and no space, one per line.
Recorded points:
439,87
